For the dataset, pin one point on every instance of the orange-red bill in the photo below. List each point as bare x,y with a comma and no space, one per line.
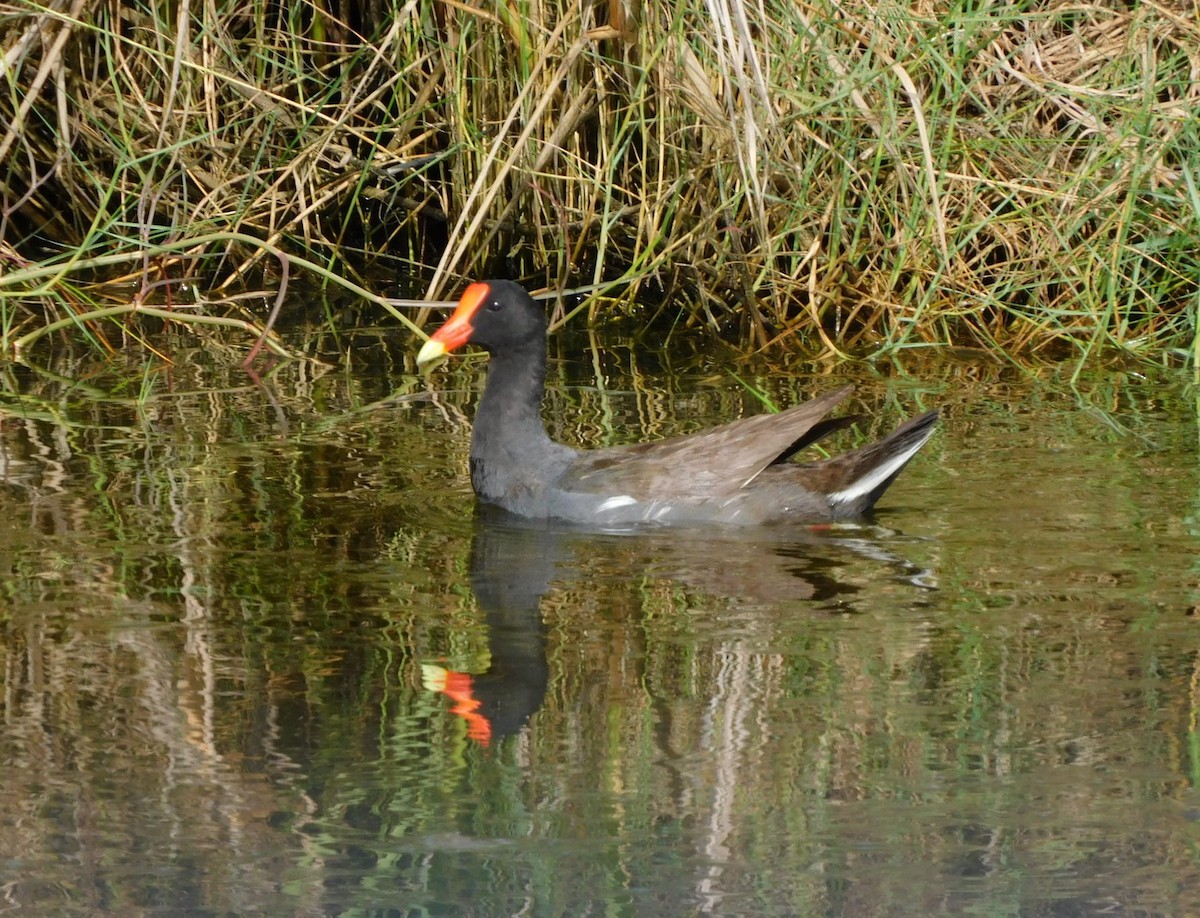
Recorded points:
458,688
457,330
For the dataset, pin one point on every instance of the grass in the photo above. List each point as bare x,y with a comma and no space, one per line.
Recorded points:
856,178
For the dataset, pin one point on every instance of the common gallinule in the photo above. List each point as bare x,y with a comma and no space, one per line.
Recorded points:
734,474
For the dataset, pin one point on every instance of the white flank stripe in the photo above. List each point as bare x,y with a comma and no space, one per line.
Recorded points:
880,474
622,500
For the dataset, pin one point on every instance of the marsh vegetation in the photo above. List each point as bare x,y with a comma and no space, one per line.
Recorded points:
848,178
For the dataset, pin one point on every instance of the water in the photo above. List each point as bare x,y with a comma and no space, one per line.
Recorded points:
228,608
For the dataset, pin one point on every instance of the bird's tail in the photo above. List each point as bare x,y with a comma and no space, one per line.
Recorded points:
860,477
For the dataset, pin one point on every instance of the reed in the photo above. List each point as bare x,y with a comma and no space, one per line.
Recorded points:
855,177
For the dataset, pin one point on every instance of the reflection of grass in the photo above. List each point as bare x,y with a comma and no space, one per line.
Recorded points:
859,177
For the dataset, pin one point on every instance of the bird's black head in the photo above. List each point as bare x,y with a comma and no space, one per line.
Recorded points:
496,315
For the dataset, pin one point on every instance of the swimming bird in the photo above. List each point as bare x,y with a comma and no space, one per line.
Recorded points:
738,473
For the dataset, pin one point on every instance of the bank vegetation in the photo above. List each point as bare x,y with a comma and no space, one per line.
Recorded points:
850,177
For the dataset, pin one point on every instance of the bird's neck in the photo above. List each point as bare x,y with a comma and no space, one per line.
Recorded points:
509,417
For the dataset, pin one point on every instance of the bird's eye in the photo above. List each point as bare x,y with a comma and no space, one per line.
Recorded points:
494,306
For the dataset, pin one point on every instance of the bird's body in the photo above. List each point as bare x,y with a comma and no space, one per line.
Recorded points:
735,474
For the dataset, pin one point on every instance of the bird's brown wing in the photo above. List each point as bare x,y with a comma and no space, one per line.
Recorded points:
714,463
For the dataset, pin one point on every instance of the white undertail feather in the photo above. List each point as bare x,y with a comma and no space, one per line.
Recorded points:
622,500
878,475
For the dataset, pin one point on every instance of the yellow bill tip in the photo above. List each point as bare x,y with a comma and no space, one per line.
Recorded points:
430,351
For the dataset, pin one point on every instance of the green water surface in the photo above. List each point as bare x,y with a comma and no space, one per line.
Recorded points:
226,604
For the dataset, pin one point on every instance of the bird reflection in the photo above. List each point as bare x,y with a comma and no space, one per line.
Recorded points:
514,562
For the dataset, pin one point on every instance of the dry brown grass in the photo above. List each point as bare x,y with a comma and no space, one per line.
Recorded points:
857,176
